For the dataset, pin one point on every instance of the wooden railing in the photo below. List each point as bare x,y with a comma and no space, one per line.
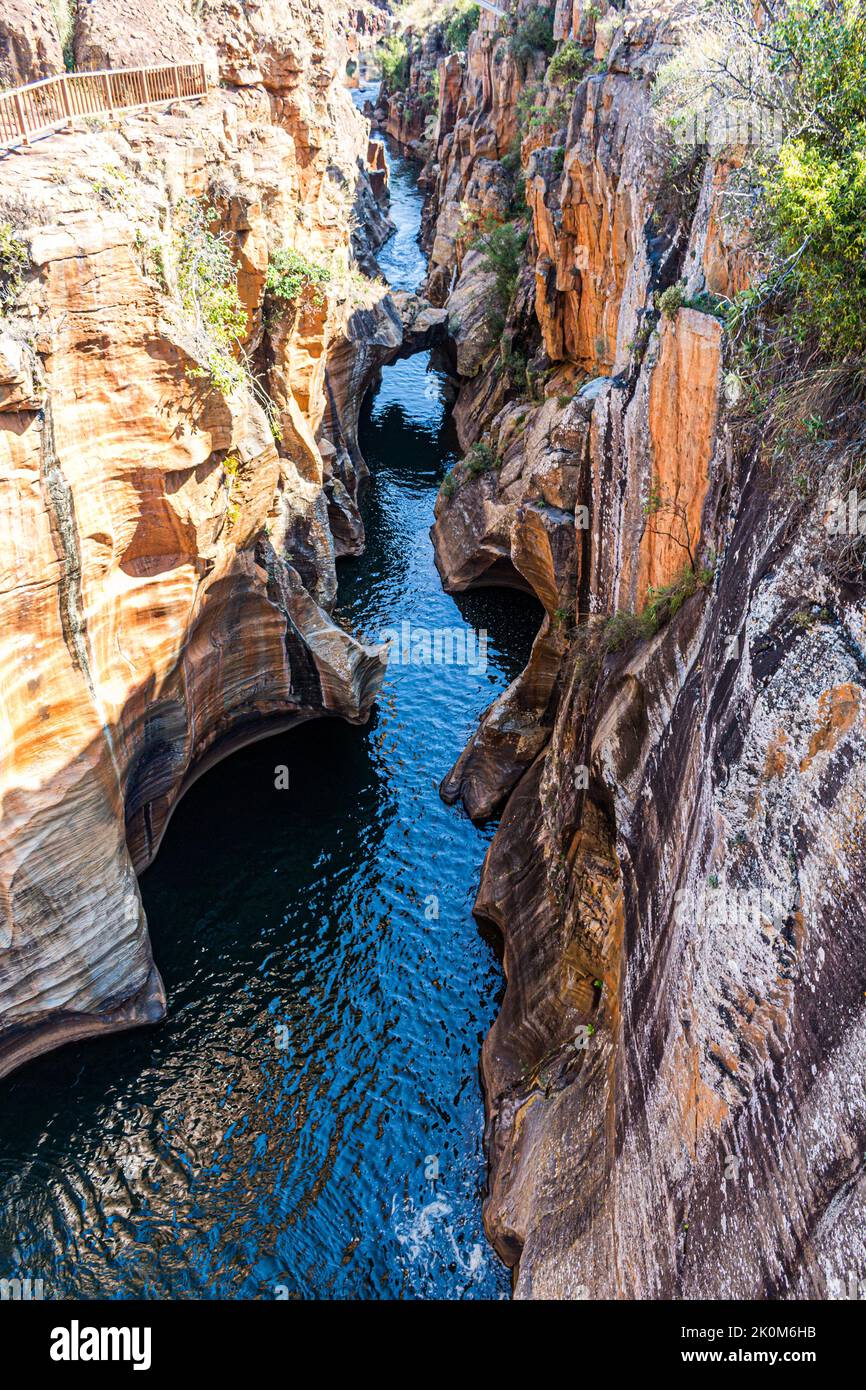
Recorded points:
56,102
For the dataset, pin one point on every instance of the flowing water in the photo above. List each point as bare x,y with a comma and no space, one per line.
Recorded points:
307,1121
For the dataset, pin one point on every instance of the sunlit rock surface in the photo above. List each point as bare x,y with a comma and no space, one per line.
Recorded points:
168,562
675,1082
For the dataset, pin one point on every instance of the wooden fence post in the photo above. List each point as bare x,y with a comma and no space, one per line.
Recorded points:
19,112
67,104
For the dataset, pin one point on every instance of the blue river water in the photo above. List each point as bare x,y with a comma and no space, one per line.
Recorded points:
307,1120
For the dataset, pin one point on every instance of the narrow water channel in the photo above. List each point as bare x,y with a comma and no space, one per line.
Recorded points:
308,1118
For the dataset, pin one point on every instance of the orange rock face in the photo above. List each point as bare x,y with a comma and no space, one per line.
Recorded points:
679,873
30,45
167,561
683,409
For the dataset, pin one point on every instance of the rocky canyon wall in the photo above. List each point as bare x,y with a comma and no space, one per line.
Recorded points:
168,529
674,1083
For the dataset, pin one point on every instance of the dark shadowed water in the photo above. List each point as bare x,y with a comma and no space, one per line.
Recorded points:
308,1117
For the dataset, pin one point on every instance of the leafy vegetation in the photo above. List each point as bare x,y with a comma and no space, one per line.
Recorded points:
64,12
793,88
461,25
231,470
207,285
501,248
448,486
13,263
111,186
672,300
152,259
292,276
430,94
480,459
393,54
514,365
675,298
662,604
533,35
707,303
790,90
815,190
569,64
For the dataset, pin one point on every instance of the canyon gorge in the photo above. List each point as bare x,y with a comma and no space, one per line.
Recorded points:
663,772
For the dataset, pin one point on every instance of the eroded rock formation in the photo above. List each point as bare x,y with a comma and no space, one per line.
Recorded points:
30,43
168,541
675,1083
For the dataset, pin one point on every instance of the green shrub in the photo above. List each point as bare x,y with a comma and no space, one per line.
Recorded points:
513,365
533,35
64,18
525,103
292,276
430,95
152,258
13,262
510,161
797,73
817,203
707,303
480,459
672,300
448,486
394,62
501,248
461,25
816,190
207,284
662,604
569,65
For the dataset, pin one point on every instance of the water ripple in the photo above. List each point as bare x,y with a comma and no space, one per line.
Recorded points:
308,1118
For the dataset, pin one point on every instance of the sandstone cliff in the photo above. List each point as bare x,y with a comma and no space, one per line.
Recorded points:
675,1081
169,518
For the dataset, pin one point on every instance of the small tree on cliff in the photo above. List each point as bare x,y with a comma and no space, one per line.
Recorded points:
13,263
788,83
207,284
291,277
532,36
461,25
660,504
501,246
393,56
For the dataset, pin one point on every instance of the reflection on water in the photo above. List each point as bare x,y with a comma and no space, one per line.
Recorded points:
308,1117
